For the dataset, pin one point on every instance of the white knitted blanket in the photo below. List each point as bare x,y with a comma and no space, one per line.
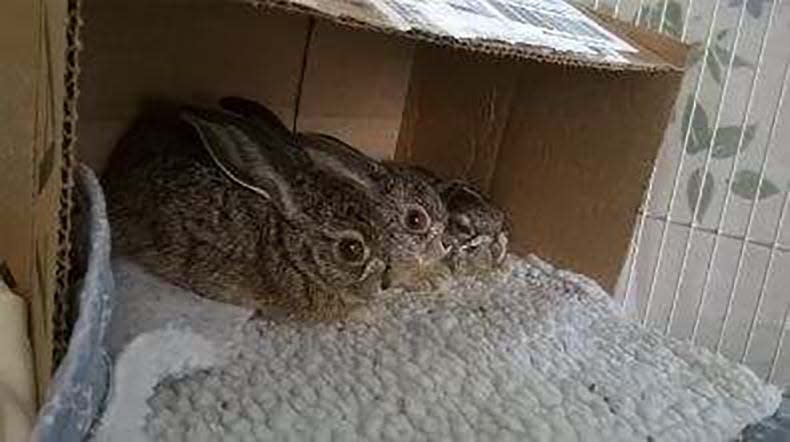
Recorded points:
530,354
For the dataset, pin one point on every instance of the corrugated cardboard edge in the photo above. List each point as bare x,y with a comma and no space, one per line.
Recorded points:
21,78
504,50
49,306
71,84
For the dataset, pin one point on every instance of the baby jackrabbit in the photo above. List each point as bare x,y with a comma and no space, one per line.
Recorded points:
413,213
215,204
477,231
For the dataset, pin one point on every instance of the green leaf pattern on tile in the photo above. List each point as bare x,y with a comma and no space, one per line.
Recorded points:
696,185
747,185
698,131
695,127
729,137
755,8
719,55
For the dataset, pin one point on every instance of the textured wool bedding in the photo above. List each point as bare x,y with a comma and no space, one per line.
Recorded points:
529,353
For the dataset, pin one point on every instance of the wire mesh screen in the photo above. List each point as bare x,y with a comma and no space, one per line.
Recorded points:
710,257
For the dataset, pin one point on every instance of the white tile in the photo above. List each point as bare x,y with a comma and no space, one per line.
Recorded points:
627,10
750,100
744,300
718,290
764,107
691,283
782,373
673,145
776,300
645,262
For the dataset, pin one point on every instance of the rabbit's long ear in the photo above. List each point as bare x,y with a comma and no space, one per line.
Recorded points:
248,156
426,175
458,195
332,154
257,112
325,151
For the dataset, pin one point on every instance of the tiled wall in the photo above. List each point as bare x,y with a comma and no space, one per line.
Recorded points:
713,237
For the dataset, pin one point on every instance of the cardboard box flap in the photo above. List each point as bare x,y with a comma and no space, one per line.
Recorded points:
552,31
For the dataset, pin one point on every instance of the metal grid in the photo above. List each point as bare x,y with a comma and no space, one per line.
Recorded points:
664,215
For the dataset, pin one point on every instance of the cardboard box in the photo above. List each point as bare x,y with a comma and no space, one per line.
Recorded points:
555,112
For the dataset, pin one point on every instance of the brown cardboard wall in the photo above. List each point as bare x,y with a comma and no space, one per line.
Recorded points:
456,111
138,53
360,100
20,70
32,60
559,147
157,51
575,159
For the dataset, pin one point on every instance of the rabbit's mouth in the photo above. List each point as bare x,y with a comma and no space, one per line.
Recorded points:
482,252
374,279
476,242
435,251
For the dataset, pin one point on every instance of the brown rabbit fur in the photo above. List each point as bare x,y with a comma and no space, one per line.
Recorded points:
201,206
477,232
413,214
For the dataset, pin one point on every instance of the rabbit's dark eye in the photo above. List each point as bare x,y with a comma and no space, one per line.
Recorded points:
416,219
351,250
